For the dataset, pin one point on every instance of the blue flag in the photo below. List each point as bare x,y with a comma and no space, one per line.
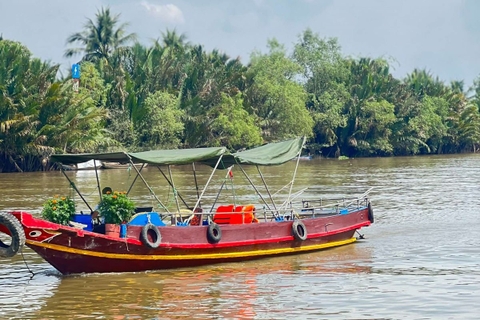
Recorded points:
76,71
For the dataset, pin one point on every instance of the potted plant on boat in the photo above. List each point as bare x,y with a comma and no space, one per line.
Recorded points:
59,210
116,208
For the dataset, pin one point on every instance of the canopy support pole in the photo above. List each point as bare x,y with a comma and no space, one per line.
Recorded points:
256,190
75,187
174,194
98,180
149,188
266,187
198,197
205,188
221,188
171,185
295,171
196,183
135,179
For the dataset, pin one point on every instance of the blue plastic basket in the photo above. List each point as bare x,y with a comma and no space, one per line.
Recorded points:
84,219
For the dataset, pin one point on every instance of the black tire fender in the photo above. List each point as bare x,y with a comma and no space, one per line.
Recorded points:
299,230
370,213
214,233
146,240
16,232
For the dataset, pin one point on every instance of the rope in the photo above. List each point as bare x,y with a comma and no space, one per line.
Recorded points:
229,176
361,236
26,264
174,193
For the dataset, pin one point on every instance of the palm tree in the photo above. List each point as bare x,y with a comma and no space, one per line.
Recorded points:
370,84
100,39
422,83
25,88
174,40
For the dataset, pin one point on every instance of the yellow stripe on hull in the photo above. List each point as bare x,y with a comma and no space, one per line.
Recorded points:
225,255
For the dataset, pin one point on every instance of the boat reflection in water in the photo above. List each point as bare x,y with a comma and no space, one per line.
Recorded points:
234,290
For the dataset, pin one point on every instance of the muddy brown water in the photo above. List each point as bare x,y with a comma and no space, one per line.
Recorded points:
420,260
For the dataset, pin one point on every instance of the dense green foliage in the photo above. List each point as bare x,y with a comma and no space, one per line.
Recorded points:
59,210
116,207
174,94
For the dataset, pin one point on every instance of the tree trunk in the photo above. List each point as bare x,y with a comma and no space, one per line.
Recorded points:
15,164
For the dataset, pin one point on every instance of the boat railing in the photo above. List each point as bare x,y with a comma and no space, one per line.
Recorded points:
334,203
302,209
313,208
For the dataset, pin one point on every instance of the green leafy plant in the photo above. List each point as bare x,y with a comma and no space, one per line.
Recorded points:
58,210
116,207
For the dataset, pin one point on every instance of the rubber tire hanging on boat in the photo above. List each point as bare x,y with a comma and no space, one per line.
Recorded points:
299,230
146,240
16,232
370,213
214,233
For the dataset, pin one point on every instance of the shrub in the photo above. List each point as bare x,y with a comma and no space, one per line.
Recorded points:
58,210
116,207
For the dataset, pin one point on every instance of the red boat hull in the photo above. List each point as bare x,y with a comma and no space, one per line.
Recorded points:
72,250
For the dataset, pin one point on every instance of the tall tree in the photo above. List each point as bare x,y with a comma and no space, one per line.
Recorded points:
171,39
100,38
25,85
369,114
76,121
324,73
207,76
422,83
275,96
160,122
232,126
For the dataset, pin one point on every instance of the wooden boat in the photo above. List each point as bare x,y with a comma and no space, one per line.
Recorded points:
307,157
87,165
216,233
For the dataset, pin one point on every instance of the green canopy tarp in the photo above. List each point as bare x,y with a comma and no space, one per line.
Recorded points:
178,156
158,157
69,159
266,155
271,154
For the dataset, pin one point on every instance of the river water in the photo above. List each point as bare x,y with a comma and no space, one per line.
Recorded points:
419,260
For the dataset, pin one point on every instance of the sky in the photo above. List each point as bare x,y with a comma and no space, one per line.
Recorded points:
441,36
